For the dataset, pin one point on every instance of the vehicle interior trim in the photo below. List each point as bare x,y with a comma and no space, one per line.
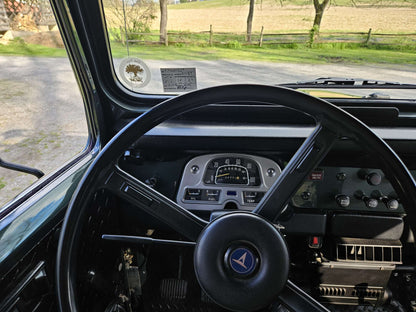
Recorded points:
212,130
9,304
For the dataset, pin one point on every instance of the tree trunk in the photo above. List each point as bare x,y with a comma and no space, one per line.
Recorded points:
250,20
319,13
163,20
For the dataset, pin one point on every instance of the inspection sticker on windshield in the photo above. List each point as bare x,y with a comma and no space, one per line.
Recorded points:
178,79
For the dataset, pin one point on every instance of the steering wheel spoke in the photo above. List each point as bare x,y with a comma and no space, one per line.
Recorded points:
307,157
149,200
297,300
146,240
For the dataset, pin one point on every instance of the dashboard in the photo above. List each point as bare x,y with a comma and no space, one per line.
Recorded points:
239,181
210,184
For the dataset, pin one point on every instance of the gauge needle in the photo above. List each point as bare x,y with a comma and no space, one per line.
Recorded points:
222,175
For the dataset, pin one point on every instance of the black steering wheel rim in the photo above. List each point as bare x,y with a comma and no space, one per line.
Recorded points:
335,122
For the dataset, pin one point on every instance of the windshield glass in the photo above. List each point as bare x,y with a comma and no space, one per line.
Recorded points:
175,46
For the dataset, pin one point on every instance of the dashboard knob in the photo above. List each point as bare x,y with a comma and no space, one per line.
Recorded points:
271,172
391,203
343,200
370,202
306,195
373,178
341,176
194,169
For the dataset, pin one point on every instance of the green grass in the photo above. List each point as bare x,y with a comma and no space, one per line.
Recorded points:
295,53
19,47
2,183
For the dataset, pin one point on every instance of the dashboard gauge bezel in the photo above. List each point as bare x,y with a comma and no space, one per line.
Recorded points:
244,196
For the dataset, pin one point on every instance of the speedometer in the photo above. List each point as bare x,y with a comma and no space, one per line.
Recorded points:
231,174
233,171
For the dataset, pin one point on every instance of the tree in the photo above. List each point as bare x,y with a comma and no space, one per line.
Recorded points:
126,18
163,20
250,19
319,12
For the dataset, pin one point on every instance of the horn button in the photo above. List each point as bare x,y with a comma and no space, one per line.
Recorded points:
241,261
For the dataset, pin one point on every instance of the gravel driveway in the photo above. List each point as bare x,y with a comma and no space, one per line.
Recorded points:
42,120
43,123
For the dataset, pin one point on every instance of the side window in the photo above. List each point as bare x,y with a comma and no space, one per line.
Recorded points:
42,119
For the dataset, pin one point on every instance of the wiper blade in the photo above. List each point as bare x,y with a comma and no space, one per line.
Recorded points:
347,83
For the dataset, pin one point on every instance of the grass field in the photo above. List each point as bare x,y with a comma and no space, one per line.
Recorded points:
19,47
274,15
296,54
281,15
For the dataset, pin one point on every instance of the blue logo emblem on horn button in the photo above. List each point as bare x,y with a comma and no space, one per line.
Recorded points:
242,261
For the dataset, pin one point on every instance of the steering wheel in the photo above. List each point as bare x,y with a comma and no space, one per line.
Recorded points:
241,259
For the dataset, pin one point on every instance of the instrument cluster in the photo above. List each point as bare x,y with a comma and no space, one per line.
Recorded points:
218,181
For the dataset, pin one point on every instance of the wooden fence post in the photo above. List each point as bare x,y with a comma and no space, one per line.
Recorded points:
166,39
261,36
368,37
211,33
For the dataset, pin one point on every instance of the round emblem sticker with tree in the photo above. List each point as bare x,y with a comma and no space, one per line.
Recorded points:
134,73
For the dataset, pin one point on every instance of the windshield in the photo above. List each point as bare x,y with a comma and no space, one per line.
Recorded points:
170,47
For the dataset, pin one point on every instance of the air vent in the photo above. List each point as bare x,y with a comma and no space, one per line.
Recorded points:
332,291
369,253
372,294
367,293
